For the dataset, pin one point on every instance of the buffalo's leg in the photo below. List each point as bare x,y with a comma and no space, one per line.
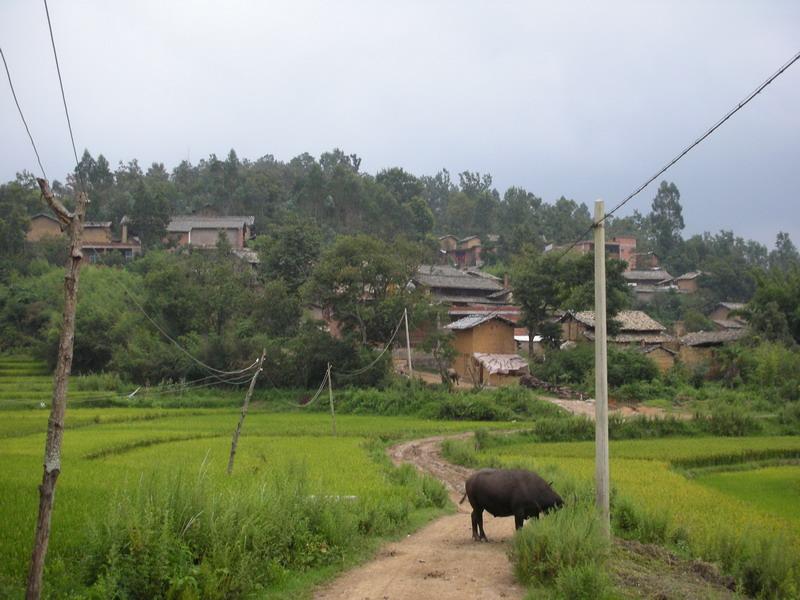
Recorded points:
475,514
480,527
519,520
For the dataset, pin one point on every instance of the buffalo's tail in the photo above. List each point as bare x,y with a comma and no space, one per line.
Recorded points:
463,498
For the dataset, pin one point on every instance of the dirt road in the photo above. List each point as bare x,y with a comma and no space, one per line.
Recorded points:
440,561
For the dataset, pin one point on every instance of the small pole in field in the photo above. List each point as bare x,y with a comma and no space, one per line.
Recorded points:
235,440
330,399
601,369
408,348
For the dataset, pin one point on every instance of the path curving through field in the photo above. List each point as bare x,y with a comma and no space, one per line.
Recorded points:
440,561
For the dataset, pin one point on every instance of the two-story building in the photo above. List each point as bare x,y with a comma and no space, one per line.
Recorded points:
203,231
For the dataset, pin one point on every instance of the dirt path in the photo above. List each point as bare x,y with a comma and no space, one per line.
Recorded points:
440,561
586,408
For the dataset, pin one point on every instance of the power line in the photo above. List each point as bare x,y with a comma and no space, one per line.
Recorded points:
136,303
691,146
63,96
374,362
22,116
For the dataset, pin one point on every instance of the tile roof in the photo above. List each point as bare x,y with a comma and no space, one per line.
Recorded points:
436,276
475,320
189,222
501,363
630,320
649,349
712,338
647,275
733,305
689,275
730,323
635,338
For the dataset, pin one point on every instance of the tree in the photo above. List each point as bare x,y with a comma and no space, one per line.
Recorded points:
364,281
289,253
666,220
785,254
775,307
149,214
546,282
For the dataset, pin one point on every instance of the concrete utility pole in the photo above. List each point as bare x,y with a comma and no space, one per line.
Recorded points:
601,368
408,347
235,440
330,399
73,224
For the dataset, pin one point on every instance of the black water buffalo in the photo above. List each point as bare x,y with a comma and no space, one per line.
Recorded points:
507,492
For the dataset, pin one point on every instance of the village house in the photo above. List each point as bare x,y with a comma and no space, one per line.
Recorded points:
688,283
699,348
643,261
662,355
98,238
202,231
637,331
465,252
486,350
647,283
635,328
620,248
722,318
448,285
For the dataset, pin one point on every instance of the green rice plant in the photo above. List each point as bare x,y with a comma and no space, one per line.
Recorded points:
637,523
568,538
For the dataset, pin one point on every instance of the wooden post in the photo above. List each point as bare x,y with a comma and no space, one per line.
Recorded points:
235,440
73,224
408,348
601,369
330,399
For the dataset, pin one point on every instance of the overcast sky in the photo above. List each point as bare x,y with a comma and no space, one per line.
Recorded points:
581,99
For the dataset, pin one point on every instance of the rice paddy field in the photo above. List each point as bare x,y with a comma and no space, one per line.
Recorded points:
712,491
724,495
108,451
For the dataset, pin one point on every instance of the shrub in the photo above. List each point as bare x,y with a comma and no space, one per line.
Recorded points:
732,420
564,429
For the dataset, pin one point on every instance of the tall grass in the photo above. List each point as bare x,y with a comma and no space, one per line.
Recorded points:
180,535
564,553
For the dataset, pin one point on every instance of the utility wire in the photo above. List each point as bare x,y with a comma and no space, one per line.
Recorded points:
22,116
686,150
374,362
160,391
196,360
63,96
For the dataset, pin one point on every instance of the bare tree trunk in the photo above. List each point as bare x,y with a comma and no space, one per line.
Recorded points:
73,223
235,441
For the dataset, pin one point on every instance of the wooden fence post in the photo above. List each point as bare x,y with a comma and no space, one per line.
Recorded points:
238,430
73,224
330,399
